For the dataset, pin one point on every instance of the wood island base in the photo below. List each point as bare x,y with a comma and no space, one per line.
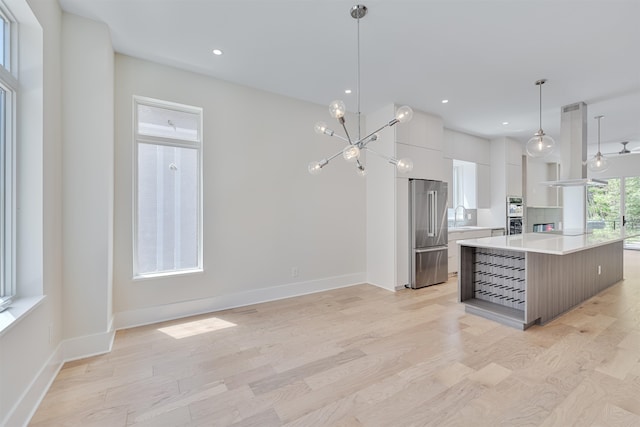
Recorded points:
520,288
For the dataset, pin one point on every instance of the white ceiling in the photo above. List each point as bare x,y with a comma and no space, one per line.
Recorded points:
482,55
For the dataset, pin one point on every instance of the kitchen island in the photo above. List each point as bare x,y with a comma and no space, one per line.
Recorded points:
531,278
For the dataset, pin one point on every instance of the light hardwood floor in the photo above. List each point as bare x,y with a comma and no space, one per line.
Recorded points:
362,356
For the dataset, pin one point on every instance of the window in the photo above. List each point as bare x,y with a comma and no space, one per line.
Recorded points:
167,188
464,184
8,87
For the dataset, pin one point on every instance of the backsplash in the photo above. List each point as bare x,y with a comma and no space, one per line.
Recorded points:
472,217
543,216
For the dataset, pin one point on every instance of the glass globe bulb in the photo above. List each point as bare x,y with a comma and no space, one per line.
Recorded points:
404,114
598,163
404,165
361,171
320,127
540,145
314,168
337,109
351,153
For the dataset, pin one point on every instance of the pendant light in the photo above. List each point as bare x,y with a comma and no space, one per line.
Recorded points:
598,163
337,110
541,144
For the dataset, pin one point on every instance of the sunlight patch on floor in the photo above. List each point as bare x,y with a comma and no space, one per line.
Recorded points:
189,329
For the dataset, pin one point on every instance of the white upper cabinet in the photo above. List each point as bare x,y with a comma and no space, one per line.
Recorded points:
484,186
514,180
424,130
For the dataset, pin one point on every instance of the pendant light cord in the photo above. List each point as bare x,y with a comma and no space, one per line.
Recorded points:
599,117
540,105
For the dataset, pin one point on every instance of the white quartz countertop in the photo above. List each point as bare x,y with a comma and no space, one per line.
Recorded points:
547,243
463,228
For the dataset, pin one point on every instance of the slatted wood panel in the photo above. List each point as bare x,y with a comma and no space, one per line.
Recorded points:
363,356
563,281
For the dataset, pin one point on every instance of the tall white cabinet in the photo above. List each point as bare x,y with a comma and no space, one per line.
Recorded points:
506,176
388,191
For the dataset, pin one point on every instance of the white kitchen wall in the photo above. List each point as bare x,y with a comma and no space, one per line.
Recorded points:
264,214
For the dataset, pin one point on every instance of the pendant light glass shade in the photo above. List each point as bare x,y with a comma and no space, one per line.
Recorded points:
541,145
598,163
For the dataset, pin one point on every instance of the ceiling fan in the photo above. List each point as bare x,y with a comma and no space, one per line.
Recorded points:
624,150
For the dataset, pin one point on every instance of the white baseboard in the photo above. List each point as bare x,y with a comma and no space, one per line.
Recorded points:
146,316
67,350
88,345
28,403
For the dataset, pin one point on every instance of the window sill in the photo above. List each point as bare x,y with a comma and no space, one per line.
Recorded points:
18,310
168,274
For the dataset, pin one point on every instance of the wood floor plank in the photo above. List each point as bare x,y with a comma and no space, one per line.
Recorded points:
363,356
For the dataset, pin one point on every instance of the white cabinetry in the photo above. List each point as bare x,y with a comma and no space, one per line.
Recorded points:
423,130
453,249
484,186
514,180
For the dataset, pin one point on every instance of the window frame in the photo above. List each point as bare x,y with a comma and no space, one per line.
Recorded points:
168,142
8,160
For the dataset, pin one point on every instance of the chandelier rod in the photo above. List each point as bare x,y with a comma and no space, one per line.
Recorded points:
358,76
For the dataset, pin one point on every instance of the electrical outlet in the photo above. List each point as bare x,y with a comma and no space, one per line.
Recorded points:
295,272
599,270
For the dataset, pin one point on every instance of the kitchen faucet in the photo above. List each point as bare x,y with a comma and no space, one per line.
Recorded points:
455,215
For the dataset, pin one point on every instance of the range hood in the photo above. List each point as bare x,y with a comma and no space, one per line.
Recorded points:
573,149
578,182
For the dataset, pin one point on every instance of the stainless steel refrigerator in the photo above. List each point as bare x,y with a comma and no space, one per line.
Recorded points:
427,232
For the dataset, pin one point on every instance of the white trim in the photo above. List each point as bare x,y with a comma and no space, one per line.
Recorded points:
153,140
386,288
68,350
88,345
26,406
150,315
18,309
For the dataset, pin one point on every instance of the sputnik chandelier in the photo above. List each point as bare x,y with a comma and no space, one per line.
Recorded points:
352,150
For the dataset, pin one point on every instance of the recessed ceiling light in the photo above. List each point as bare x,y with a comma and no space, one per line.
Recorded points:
444,101
505,123
217,52
347,91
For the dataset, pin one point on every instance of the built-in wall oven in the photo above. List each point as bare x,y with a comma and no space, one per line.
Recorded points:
515,215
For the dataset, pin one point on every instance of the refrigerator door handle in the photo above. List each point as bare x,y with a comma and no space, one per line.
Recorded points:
432,197
433,249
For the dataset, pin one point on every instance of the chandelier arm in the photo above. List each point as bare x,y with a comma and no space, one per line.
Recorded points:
334,156
341,137
373,133
387,158
346,132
